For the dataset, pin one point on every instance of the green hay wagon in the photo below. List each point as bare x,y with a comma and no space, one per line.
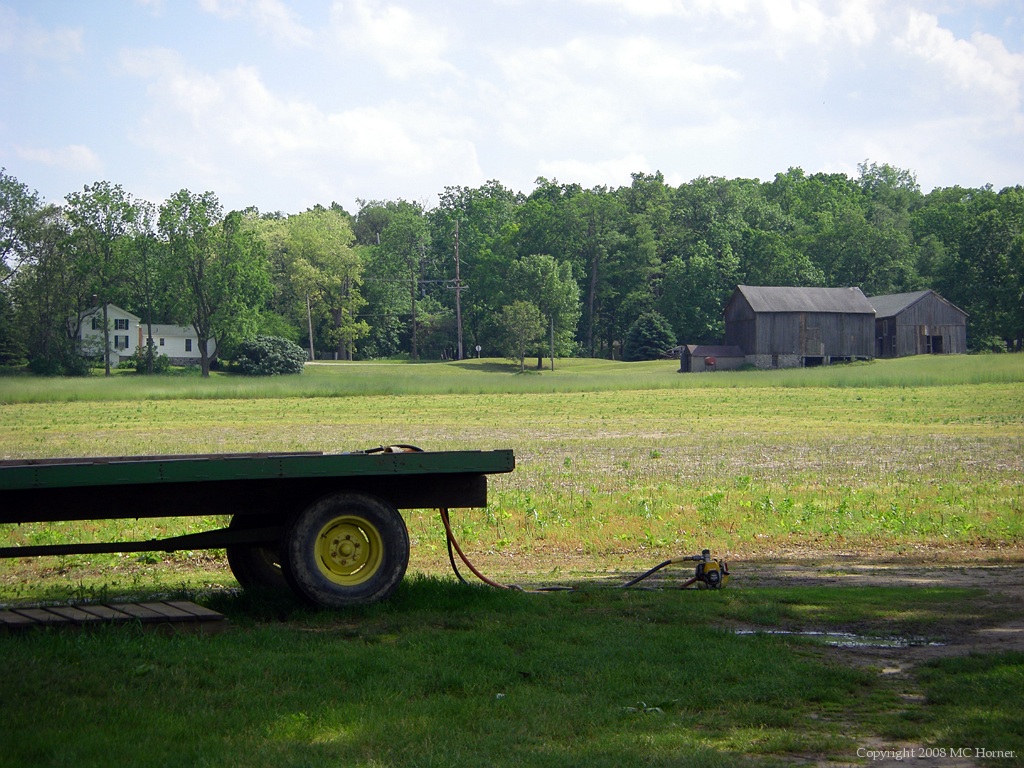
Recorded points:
326,525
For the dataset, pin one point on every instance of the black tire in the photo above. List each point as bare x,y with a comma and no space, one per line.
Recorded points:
346,549
255,566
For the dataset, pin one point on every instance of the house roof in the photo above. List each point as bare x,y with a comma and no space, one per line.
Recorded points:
787,299
892,304
111,308
163,329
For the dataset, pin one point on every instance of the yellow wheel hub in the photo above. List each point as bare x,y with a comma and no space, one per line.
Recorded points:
349,550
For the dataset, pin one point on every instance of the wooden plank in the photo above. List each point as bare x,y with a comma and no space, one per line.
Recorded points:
140,612
73,614
107,613
177,615
168,612
198,612
12,620
41,616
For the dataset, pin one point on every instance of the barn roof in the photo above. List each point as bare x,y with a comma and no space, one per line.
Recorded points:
892,304
786,299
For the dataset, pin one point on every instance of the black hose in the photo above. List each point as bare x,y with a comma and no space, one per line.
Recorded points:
453,548
646,575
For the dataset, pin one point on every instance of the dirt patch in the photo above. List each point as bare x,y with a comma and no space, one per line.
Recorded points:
1001,583
998,628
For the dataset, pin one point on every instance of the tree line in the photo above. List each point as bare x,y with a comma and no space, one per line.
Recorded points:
561,271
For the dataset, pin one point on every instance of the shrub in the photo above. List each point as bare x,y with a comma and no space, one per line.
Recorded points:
269,356
648,338
69,364
991,344
140,364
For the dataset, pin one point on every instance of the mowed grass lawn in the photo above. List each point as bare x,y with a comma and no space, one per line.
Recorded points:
619,466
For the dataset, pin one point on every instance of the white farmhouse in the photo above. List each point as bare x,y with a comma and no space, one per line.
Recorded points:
127,333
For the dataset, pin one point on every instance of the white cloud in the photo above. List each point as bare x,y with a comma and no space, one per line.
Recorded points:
654,9
74,157
601,91
229,126
28,38
982,63
403,44
613,171
282,103
780,22
273,17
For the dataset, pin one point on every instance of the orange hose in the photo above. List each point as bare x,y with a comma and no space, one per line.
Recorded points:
462,556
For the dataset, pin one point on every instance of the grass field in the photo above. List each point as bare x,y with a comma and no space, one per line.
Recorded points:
619,465
648,462
447,675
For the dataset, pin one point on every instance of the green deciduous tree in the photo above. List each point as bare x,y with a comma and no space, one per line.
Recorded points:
549,285
145,275
101,217
220,266
398,268
50,293
522,326
486,224
328,273
18,206
19,209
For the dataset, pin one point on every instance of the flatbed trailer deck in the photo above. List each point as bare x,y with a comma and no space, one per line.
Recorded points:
325,525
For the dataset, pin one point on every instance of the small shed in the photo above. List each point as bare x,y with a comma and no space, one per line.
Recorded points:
694,358
918,323
785,327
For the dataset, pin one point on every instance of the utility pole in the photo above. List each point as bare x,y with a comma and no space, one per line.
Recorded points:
414,285
458,292
309,319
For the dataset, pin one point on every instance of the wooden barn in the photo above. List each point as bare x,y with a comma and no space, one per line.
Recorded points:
779,327
918,323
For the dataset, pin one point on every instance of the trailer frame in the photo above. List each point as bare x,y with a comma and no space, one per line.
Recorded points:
270,497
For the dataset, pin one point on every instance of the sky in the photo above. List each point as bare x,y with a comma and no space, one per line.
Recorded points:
284,104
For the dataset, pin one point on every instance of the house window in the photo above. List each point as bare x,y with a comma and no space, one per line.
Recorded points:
120,342
188,345
95,323
161,342
121,324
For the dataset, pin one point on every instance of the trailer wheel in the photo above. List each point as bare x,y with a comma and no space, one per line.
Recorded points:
255,566
346,549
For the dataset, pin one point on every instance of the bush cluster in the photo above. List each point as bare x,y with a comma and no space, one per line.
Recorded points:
139,362
269,356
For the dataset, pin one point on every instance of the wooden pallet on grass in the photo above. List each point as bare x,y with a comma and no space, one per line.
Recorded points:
173,615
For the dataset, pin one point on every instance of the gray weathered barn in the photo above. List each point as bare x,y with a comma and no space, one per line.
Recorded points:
790,327
918,323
